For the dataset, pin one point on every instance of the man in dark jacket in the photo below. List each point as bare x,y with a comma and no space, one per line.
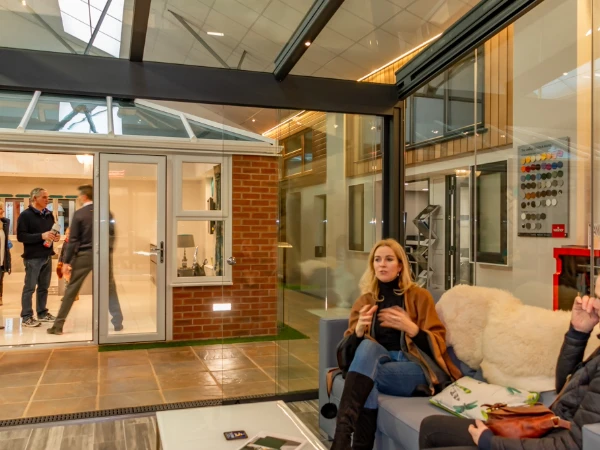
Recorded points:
33,228
578,384
79,261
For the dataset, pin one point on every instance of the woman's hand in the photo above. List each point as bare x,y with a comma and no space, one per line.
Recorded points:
365,319
584,316
398,319
477,430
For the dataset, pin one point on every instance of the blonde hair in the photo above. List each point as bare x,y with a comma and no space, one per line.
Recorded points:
369,284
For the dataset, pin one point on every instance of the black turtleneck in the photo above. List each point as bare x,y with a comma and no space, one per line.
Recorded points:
389,337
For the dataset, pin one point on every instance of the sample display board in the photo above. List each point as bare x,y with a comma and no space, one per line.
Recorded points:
544,189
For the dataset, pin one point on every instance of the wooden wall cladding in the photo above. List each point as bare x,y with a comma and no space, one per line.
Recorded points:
317,121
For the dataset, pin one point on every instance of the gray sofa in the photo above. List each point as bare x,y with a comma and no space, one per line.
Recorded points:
399,418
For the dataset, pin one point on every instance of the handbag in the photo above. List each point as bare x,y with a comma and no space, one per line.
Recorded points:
345,352
523,422
59,270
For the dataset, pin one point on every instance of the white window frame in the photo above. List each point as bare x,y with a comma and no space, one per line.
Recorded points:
224,215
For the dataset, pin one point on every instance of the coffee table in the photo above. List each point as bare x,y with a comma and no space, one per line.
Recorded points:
203,428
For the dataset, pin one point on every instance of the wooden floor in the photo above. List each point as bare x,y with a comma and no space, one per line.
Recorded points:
126,434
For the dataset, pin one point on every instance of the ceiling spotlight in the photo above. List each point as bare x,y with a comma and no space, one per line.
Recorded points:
425,189
24,3
565,73
373,128
253,120
215,33
307,43
335,126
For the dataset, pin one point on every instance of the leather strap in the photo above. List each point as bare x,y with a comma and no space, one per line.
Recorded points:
331,374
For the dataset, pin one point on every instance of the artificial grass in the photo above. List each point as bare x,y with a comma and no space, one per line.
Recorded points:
286,333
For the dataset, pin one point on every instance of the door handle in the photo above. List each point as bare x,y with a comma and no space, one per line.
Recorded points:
160,251
231,261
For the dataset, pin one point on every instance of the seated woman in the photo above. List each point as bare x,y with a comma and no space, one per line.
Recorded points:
400,345
577,381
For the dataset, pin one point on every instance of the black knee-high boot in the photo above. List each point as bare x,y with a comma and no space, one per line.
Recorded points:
356,391
364,430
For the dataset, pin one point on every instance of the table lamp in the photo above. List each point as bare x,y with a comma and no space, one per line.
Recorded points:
185,241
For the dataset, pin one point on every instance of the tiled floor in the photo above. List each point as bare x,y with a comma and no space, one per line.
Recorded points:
127,434
60,381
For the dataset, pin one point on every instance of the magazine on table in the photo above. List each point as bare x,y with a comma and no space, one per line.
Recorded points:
272,441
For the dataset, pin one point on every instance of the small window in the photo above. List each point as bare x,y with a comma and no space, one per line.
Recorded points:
492,213
356,217
298,154
200,186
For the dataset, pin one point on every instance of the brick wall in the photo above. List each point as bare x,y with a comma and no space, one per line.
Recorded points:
253,295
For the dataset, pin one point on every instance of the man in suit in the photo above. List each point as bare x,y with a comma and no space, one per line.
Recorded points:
79,261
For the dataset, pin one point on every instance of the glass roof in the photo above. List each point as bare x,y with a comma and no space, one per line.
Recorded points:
85,115
237,34
365,35
361,37
66,26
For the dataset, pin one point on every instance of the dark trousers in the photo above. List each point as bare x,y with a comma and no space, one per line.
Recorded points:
1,281
38,272
81,267
446,433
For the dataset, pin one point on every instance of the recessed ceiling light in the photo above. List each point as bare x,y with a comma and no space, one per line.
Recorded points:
565,73
425,189
24,3
253,120
307,43
215,33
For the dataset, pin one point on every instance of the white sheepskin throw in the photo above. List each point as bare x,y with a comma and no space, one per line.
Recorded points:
521,345
464,310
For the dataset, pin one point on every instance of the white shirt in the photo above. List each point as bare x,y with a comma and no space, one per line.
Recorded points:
87,203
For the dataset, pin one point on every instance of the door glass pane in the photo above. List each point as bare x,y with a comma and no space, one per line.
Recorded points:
133,231
200,186
463,220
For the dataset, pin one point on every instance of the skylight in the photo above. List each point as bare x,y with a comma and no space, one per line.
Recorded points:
80,17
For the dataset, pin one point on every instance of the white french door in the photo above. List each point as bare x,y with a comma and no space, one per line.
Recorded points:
132,271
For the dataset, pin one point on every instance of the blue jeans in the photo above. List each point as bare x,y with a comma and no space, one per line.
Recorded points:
392,372
38,272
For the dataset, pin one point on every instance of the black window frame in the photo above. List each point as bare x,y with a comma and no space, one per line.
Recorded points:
482,170
448,134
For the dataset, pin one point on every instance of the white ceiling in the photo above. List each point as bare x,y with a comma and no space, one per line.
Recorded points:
363,34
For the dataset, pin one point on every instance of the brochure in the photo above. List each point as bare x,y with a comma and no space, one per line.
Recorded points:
271,441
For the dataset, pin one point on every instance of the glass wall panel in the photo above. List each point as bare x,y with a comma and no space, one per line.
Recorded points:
330,200
511,175
440,159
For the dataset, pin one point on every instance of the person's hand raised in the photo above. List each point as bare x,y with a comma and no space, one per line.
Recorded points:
584,316
365,319
398,319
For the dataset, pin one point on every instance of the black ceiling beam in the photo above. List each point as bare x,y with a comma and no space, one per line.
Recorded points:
139,28
317,17
63,73
481,23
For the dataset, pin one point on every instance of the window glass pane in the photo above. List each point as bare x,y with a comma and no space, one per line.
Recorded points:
356,219
293,144
308,154
205,131
490,210
70,115
370,129
136,120
200,248
429,118
292,166
12,108
200,186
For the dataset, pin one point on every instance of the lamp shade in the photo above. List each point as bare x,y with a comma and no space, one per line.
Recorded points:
185,240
